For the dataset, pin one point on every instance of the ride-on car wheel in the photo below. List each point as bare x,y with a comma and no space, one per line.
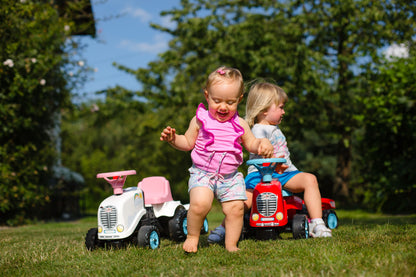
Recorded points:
204,228
330,218
148,236
91,239
177,225
300,226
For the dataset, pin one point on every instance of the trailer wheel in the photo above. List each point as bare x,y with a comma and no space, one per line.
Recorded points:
148,236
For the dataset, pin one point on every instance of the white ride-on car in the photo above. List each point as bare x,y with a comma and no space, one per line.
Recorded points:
139,215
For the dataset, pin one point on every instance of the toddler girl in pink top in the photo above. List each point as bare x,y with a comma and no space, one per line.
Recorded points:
215,137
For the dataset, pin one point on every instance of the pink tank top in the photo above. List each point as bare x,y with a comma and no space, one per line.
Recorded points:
218,146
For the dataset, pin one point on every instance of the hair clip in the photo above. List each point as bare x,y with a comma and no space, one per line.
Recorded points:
221,72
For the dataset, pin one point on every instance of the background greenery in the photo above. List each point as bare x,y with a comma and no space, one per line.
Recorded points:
41,65
350,118
363,245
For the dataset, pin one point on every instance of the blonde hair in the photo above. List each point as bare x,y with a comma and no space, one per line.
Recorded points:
224,73
260,97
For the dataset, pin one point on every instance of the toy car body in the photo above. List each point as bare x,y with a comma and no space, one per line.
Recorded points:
275,210
139,214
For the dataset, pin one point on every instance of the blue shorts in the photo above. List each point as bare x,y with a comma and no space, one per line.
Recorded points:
254,178
226,187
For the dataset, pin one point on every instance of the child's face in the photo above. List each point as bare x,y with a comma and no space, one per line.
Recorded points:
223,99
274,115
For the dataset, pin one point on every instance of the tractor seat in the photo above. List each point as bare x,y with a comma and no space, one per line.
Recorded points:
156,190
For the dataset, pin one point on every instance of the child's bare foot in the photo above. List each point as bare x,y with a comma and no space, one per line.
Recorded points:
232,249
190,245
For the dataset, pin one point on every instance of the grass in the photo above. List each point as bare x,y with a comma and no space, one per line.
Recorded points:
363,245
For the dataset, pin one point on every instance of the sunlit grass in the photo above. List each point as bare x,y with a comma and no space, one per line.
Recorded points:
364,245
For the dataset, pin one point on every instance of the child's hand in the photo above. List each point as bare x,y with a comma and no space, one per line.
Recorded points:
168,134
280,168
265,148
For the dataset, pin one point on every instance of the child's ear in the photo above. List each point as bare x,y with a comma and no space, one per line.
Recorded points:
206,94
240,98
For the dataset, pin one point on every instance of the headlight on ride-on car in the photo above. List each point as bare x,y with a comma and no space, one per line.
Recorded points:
120,228
100,229
255,217
279,216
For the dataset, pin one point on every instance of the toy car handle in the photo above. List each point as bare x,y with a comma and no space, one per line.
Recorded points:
266,167
118,179
116,173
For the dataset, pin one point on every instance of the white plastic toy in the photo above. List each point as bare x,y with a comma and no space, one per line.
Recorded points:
140,215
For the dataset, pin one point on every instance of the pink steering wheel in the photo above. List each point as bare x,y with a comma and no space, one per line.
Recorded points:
118,179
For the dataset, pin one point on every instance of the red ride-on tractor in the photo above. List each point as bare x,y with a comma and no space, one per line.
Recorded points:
275,210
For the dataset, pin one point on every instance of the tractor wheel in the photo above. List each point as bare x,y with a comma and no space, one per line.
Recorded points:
177,225
300,226
91,239
148,236
330,218
205,226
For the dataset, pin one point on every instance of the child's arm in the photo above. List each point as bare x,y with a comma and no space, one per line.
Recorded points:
184,142
260,146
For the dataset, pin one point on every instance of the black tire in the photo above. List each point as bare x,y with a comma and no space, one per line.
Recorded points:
148,237
177,230
91,239
178,226
266,234
330,218
300,226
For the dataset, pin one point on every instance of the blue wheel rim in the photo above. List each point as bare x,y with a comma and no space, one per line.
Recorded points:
154,240
306,229
184,226
206,225
332,221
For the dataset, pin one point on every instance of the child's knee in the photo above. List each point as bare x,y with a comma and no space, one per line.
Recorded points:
313,180
199,209
233,208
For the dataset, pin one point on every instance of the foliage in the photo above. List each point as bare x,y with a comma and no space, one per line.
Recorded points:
35,84
116,134
325,54
389,136
343,36
318,52
360,242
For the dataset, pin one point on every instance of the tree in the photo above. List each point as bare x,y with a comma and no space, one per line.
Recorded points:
172,86
35,83
316,50
117,133
325,54
345,36
388,137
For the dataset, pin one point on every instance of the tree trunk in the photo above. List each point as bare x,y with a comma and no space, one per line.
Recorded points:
342,176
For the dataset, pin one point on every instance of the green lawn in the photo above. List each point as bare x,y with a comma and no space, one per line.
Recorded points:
363,245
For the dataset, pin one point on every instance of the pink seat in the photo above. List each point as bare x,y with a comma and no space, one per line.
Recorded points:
156,190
